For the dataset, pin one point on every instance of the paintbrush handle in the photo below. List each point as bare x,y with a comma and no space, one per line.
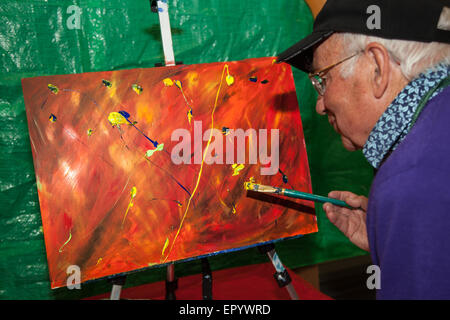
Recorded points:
313,197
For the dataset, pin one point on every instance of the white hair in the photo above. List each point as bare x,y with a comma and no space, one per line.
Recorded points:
413,57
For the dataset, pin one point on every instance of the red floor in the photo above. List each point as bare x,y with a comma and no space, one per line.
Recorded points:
253,282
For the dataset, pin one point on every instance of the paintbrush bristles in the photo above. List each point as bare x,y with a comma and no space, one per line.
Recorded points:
261,188
268,189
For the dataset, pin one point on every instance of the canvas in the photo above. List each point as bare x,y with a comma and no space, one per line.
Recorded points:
139,168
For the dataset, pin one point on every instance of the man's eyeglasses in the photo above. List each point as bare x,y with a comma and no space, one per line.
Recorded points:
318,78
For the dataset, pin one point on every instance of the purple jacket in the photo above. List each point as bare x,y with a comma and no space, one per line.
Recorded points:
408,216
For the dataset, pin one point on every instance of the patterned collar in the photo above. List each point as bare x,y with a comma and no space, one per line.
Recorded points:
393,125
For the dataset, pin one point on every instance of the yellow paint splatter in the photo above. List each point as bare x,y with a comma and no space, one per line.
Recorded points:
133,192
54,89
168,82
116,119
158,148
52,118
250,184
130,204
237,168
229,78
70,237
137,88
107,83
166,244
226,131
190,116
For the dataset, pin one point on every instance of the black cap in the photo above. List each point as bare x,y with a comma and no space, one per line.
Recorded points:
413,20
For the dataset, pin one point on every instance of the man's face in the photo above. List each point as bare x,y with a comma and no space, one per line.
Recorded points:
346,102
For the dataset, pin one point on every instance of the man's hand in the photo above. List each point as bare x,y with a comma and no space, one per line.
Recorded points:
351,222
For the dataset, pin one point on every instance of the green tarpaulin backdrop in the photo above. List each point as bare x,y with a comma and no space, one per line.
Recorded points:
40,37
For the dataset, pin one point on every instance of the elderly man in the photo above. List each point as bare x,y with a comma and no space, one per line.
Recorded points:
382,73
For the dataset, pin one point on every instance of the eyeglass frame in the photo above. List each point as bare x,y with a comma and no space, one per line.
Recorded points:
320,86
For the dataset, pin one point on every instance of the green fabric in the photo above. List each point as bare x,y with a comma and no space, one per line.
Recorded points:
35,40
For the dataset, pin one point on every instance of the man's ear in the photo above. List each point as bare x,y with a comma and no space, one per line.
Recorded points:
380,62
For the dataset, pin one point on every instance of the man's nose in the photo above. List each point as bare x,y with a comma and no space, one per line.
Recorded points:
320,106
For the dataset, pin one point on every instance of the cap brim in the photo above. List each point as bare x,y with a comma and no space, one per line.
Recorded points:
300,55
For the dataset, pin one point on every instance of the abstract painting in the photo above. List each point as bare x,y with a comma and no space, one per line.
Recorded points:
140,168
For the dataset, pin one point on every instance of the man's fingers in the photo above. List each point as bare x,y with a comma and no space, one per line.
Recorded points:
342,195
331,215
350,198
334,213
352,223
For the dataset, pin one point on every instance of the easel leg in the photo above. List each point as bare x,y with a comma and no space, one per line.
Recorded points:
281,275
206,280
171,283
117,283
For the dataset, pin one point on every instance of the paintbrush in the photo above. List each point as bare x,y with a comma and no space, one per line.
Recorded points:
294,194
